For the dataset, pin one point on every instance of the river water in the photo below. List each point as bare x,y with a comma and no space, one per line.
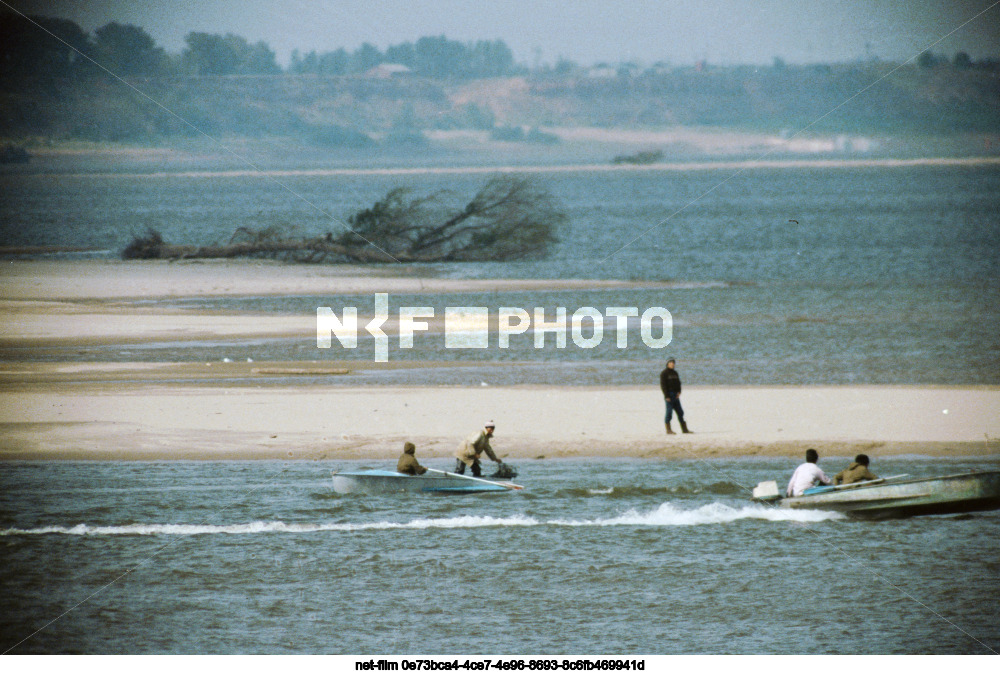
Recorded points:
783,275
594,556
796,275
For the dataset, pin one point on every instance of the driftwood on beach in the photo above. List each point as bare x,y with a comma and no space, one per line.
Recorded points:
319,249
509,218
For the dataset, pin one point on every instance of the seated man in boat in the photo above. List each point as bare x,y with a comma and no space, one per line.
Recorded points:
856,472
472,448
806,475
408,464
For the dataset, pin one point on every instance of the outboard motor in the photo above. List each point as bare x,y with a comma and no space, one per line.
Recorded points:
767,491
505,472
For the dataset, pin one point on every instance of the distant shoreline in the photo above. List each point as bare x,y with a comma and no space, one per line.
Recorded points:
53,281
720,165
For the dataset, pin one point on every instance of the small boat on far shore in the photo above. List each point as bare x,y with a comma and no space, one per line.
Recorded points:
899,496
431,482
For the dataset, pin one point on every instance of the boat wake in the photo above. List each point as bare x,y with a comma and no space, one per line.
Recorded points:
665,515
713,513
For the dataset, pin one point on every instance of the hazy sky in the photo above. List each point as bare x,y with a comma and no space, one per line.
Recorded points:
586,31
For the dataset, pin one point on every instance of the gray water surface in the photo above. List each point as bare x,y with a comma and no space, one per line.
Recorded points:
595,556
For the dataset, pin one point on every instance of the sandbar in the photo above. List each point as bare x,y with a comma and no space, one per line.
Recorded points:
139,412
74,410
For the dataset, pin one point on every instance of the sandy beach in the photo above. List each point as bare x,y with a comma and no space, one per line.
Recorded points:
196,410
121,420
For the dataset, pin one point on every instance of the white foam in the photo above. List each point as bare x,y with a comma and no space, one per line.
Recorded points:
713,513
665,515
265,527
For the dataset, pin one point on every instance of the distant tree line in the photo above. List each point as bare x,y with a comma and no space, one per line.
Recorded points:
52,87
210,54
39,47
433,57
961,61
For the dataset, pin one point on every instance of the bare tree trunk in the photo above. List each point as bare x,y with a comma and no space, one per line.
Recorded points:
508,219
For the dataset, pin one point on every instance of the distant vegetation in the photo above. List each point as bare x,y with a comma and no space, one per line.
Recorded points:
510,218
14,154
432,57
130,51
225,85
646,157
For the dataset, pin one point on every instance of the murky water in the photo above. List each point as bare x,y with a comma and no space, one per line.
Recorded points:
595,556
781,276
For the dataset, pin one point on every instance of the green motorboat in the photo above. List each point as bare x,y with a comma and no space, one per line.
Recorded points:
899,496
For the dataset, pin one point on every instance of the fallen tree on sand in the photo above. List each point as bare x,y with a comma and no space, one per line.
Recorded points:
510,218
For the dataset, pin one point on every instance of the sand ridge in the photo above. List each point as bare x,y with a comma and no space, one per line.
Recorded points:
164,420
226,410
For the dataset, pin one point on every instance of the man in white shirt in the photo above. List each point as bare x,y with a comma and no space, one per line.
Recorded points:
807,475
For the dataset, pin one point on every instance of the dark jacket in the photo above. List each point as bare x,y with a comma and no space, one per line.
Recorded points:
854,473
408,464
670,382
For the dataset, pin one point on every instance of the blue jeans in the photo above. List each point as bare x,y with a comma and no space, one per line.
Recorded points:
673,402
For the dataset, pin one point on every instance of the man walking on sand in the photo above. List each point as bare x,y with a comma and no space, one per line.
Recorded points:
670,384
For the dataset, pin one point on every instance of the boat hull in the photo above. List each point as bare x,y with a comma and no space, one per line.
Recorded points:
967,492
388,482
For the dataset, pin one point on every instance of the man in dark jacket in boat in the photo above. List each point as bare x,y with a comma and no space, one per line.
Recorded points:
670,385
407,463
856,472
472,448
